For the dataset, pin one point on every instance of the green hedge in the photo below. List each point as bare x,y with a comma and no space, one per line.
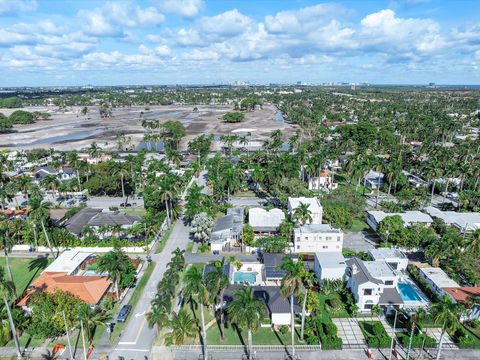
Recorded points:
375,334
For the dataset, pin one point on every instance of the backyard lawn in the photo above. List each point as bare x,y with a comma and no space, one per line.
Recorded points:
358,225
25,270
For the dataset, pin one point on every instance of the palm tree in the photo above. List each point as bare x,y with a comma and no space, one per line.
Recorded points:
446,313
308,280
39,213
473,242
7,243
166,196
94,150
51,182
157,316
115,263
302,214
292,286
217,282
246,311
195,287
91,318
183,326
6,293
24,183
122,173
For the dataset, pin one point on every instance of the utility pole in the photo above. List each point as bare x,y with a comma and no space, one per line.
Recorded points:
410,341
83,341
393,337
68,335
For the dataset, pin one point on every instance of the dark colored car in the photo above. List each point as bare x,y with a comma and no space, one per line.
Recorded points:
125,205
123,314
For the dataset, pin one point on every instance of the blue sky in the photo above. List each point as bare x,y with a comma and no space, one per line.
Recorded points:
73,42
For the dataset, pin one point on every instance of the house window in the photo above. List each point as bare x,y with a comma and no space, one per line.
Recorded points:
298,247
329,238
338,238
367,292
306,237
324,247
389,282
368,306
298,238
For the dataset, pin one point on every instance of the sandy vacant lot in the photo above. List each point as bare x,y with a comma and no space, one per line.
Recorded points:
73,131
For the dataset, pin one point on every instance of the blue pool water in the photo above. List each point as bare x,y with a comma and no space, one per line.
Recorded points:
407,292
248,277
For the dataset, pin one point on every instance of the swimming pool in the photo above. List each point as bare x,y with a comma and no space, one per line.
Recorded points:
248,277
408,292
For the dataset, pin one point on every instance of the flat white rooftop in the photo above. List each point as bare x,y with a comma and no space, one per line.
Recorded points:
464,221
378,269
438,277
408,217
331,260
313,202
386,253
68,261
316,228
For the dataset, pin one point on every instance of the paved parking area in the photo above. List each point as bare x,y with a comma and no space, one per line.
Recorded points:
359,241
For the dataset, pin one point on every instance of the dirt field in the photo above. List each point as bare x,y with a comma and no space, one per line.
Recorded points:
73,131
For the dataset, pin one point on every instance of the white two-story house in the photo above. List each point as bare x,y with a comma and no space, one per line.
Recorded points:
314,206
372,283
317,238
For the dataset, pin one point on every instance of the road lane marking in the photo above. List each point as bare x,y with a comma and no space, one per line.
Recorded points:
142,325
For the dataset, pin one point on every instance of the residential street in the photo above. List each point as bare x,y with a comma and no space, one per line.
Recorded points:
137,338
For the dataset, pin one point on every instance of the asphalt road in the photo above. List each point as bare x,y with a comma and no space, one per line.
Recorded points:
137,338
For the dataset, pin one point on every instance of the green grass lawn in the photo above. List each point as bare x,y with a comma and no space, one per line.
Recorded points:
164,238
338,311
358,225
133,211
26,341
25,270
264,336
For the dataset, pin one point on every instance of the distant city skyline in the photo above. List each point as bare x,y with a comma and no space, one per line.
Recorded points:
154,42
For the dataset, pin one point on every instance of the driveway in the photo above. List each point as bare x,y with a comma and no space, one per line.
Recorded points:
350,333
359,241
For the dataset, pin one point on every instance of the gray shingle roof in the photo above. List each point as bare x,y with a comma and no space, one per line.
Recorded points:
362,275
78,221
274,300
390,296
113,218
95,217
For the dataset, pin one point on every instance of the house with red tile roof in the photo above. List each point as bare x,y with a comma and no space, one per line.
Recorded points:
89,289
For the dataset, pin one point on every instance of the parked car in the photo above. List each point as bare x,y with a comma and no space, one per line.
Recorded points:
125,205
123,314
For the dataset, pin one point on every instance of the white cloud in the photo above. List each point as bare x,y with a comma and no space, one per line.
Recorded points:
304,19
184,8
386,32
113,17
163,50
228,23
8,38
10,7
